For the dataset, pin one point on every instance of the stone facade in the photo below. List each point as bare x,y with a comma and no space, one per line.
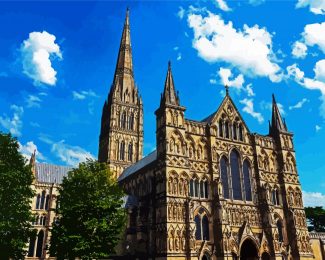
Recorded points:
212,189
48,177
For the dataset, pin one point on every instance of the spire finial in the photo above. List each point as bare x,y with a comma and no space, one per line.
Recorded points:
227,89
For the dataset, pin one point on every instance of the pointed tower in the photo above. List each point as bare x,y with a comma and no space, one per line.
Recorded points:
170,114
277,124
32,163
121,135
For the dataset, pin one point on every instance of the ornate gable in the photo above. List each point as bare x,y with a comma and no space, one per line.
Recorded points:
227,113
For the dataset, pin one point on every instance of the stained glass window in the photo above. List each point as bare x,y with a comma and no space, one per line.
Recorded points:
235,176
224,177
197,221
247,181
205,227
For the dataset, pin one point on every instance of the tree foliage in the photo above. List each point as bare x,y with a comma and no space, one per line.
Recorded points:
91,214
16,193
316,218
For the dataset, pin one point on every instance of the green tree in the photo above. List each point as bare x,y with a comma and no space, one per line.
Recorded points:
91,214
315,218
16,193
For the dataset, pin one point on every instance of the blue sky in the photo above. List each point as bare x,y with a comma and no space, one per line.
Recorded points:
57,61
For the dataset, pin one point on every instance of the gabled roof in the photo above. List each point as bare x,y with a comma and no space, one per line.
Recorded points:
209,119
138,165
49,173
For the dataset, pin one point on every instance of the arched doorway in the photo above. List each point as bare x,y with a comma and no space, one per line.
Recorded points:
266,256
248,250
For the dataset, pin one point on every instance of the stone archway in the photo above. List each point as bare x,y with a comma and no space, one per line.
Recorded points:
248,250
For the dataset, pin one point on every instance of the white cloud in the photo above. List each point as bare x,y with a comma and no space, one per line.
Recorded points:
33,101
213,81
315,6
28,149
34,124
249,109
37,52
225,75
313,199
256,2
299,104
181,12
314,34
249,90
317,128
249,49
222,5
83,94
179,56
316,83
71,155
268,106
14,124
299,50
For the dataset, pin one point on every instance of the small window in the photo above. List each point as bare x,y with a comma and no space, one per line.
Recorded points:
130,152
122,150
234,131
197,188
38,199
202,225
227,129
131,121
47,202
220,128
241,133
201,189
42,199
247,181
191,188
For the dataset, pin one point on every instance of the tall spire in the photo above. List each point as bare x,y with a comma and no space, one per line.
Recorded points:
169,96
124,60
277,124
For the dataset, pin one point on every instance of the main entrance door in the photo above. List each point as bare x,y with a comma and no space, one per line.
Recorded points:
248,251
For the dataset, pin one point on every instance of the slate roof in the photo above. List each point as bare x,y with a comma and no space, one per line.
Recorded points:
50,173
209,118
151,157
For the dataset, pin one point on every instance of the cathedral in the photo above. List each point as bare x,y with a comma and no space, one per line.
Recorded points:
212,189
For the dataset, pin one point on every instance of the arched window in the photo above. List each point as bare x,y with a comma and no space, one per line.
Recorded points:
31,247
205,227
39,248
241,133
275,197
42,199
220,128
224,177
37,220
123,120
131,121
234,131
247,180
44,221
201,189
280,231
191,188
235,176
122,150
197,188
202,225
198,232
206,190
227,129
47,202
130,152
38,198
